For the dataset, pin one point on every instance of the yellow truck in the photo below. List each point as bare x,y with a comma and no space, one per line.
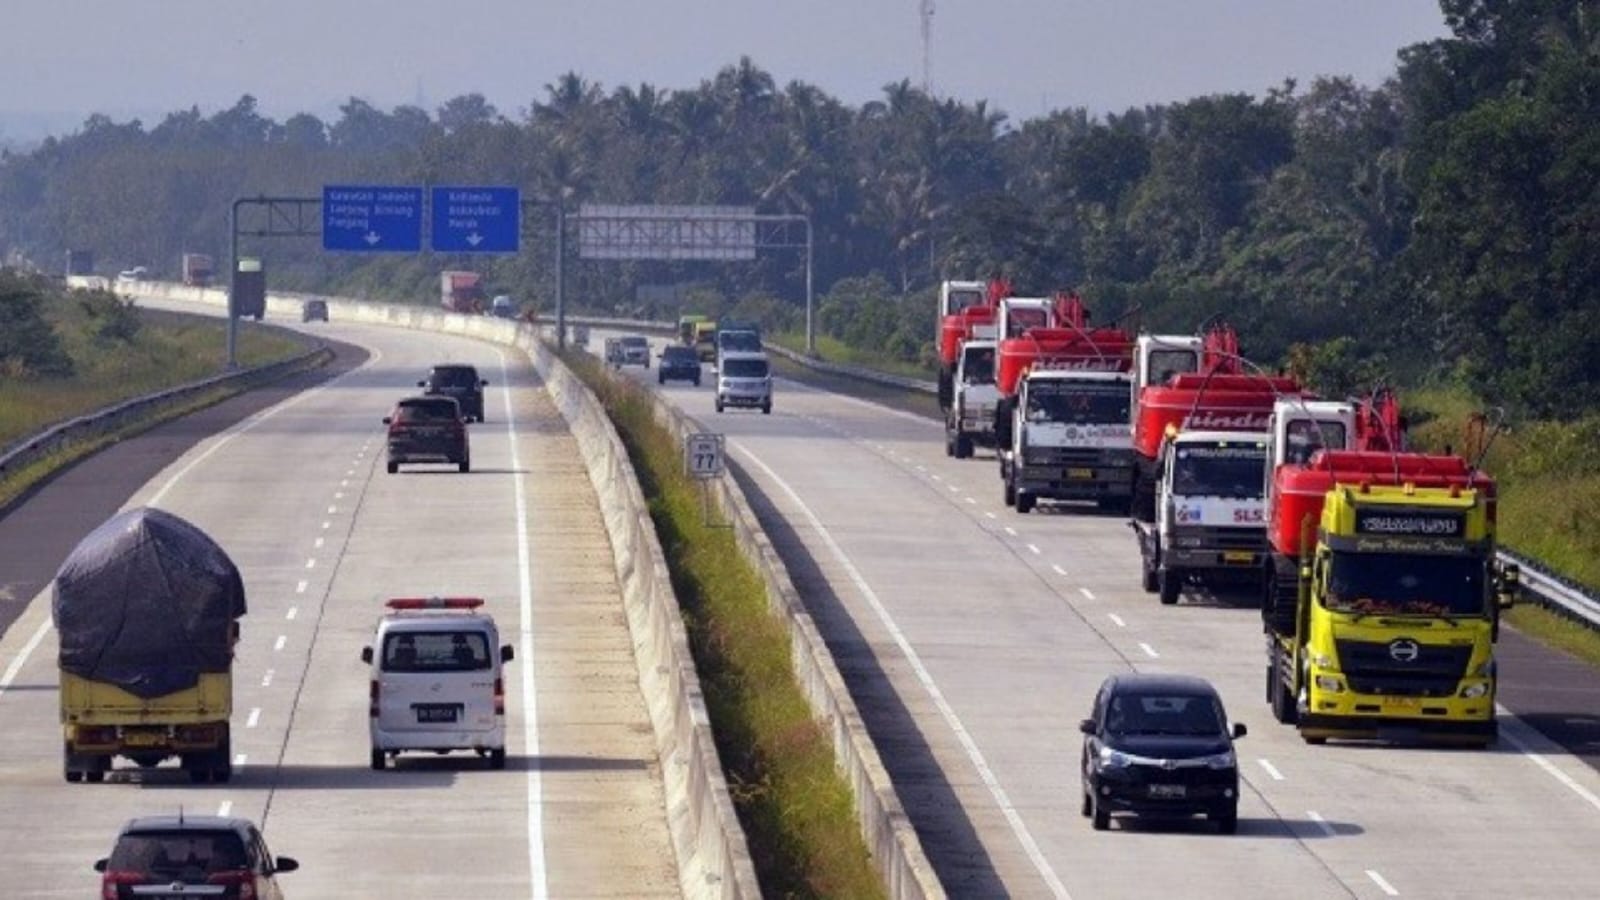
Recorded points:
705,340
1390,633
147,608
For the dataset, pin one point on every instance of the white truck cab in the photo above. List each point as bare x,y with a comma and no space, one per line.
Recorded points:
1069,438
1018,314
975,397
437,683
956,296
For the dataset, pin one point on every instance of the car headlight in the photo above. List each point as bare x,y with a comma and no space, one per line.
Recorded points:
1224,760
1333,684
1114,759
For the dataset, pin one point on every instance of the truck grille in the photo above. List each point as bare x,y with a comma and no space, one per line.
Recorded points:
1382,668
1254,539
1077,456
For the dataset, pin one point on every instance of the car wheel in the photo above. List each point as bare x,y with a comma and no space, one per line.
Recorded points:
1101,816
1314,741
766,409
963,446
497,758
392,468
378,760
1086,801
661,378
697,381
1169,583
1227,821
97,777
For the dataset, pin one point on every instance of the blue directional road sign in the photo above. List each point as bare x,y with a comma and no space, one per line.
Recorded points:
476,219
372,218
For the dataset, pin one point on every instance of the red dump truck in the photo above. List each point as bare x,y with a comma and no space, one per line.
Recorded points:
198,270
461,291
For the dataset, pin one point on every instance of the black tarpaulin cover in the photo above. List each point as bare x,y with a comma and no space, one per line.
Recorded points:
146,602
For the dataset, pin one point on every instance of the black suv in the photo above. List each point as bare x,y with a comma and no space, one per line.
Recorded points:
459,382
182,855
427,429
1160,744
679,363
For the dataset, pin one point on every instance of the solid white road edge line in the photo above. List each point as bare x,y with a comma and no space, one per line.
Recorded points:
1545,764
974,755
530,700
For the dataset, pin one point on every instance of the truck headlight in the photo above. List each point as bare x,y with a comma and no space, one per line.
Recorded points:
1333,684
1114,759
1186,541
1475,690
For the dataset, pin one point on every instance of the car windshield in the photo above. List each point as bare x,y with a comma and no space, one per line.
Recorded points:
171,855
635,342
1220,470
435,651
742,341
960,300
977,366
1405,584
745,368
455,377
679,355
1078,402
428,412
1164,713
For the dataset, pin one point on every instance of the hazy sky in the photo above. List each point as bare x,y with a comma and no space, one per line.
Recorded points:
63,59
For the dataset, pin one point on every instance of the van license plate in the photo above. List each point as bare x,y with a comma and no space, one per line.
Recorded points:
437,712
1168,791
1080,474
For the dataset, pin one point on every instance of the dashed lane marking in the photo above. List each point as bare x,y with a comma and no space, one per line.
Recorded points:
300,587
1149,650
293,611
1058,570
1117,619
1271,769
277,645
255,717
1321,823
266,680
1087,594
1382,883
1034,548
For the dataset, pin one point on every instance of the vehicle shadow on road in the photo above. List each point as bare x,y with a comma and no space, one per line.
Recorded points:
417,772
1283,829
948,837
576,764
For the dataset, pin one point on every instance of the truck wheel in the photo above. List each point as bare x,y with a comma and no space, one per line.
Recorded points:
963,446
392,468
1025,502
465,465
1169,584
1147,575
497,758
719,404
949,443
1009,494
378,759
1284,708
73,776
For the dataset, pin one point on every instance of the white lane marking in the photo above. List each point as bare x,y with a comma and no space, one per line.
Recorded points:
1149,650
938,478
1545,764
332,510
300,587
1011,531
1034,548
239,760
972,501
530,705
311,563
1058,570
326,525
37,638
338,495
255,717
266,680
277,645
224,807
991,515
1087,594
349,472
922,468
1322,823
1117,619
344,483
1383,884
1271,769
974,755
293,611
317,543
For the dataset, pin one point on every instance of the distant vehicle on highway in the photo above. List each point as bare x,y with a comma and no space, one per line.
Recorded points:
1160,745
436,681
314,311
427,429
460,382
503,307
635,350
744,379
679,363
137,273
191,856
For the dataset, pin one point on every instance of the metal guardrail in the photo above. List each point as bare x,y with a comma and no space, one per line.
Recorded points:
1555,593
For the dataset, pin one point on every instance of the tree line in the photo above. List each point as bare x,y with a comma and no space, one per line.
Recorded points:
1442,225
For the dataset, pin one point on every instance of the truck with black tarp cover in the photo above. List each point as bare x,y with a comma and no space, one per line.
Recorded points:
147,609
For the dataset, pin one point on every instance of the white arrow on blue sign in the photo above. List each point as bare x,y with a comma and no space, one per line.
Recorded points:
476,219
372,218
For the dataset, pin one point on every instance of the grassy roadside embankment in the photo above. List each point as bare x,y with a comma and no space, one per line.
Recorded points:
794,806
163,350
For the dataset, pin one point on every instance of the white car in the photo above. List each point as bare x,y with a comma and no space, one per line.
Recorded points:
437,683
137,273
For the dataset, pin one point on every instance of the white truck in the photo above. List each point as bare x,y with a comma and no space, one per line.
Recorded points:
970,419
1210,522
1069,437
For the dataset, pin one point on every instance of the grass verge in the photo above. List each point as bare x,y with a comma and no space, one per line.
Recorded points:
1555,630
836,351
795,809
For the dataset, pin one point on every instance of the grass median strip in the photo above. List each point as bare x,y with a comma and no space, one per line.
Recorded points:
794,806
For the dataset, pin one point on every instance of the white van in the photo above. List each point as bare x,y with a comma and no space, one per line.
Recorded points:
437,683
744,379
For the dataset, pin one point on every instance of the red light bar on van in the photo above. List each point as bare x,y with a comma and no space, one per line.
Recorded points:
434,603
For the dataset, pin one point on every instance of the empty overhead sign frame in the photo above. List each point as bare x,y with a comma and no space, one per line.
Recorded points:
724,233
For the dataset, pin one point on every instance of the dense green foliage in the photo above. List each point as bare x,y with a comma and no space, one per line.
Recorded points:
1444,224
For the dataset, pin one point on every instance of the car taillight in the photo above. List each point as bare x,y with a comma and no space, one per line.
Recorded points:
499,696
113,877
239,878
373,708
398,428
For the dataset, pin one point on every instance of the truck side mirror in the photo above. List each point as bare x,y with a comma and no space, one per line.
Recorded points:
366,655
506,653
1510,584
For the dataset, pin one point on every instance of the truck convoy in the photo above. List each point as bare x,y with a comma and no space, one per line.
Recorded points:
461,291
1062,419
198,269
147,607
966,340
1397,597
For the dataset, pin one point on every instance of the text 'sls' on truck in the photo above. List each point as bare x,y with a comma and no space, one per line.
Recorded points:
967,395
1397,596
1062,422
147,608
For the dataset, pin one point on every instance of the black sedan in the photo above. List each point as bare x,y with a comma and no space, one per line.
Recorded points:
1160,745
679,363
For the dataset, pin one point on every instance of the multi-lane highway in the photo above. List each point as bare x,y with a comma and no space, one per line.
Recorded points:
974,638
298,496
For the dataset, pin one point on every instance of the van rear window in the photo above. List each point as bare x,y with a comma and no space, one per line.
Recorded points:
435,651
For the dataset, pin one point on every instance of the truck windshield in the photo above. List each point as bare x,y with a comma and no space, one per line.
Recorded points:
1406,584
1020,320
977,366
1078,402
1304,437
1166,363
960,300
739,341
1237,470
